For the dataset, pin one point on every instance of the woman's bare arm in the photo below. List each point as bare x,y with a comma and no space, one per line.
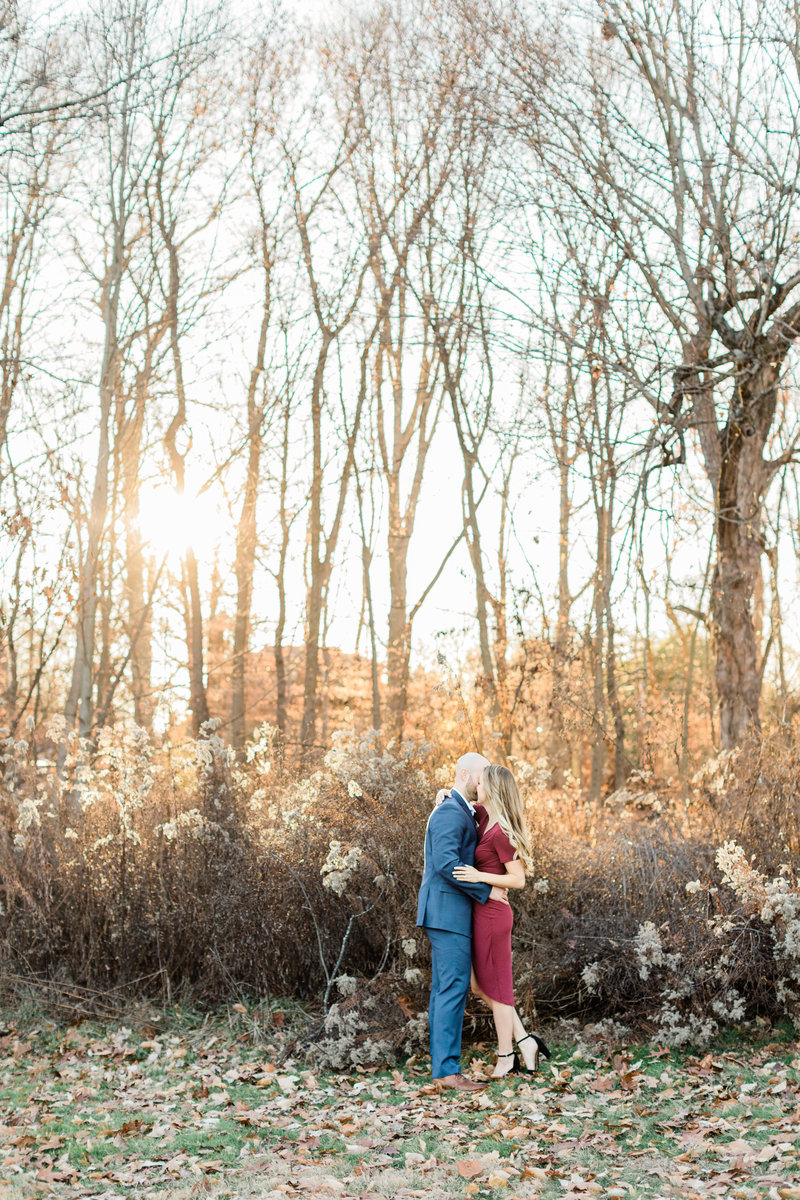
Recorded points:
513,878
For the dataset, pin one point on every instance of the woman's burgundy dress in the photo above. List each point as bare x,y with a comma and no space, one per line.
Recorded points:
492,921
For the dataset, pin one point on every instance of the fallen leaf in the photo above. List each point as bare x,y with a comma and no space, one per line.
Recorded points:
498,1179
468,1170
738,1149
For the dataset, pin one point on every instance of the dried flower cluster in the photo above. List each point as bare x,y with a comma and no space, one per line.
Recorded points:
339,865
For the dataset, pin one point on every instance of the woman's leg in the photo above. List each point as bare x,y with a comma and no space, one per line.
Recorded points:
528,1049
507,1025
476,989
503,1015
519,1028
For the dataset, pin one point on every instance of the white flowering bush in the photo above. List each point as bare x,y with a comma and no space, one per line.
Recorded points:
125,856
366,766
365,1027
590,976
647,948
714,776
345,1042
339,865
731,950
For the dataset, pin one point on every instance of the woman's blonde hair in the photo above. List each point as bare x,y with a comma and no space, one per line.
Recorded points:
504,796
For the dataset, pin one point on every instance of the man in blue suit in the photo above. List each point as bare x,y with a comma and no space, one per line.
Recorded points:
444,911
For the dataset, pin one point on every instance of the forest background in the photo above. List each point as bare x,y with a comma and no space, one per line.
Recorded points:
374,387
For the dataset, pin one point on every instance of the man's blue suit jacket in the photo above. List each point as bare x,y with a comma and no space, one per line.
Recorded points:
450,841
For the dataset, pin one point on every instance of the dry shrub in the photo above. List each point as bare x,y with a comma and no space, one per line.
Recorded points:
679,914
151,869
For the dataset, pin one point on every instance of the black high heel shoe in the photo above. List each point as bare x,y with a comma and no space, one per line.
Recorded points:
516,1066
541,1048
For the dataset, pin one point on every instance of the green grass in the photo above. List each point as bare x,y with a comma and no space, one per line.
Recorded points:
651,1119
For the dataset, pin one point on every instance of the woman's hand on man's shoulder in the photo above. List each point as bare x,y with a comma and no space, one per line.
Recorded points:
441,795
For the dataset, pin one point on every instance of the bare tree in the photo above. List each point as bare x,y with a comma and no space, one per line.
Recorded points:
326,228
411,126
262,117
147,163
456,310
42,81
693,173
335,286
117,41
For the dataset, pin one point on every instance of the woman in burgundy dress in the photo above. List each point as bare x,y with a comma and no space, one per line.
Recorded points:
501,858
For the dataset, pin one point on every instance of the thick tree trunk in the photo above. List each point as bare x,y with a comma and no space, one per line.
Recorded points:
743,479
739,547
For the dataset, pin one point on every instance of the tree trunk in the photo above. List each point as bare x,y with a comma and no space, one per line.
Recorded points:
620,760
139,614
246,539
739,548
79,700
316,565
598,692
320,564
281,694
499,606
397,649
366,563
244,567
743,480
558,742
194,640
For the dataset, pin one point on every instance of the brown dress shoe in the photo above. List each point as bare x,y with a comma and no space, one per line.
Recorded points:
459,1083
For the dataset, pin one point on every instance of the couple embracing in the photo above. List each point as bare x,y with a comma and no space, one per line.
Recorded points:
476,848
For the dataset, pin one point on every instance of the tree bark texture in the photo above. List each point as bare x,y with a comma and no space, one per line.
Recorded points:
743,479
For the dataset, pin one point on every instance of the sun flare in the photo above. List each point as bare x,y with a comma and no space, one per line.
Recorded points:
173,522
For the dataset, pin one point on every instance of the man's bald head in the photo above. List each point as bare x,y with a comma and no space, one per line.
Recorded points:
469,769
